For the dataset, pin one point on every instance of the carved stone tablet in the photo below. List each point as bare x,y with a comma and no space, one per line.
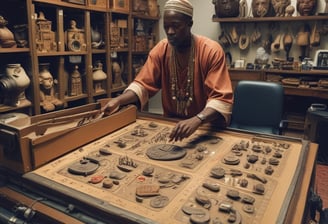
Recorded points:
166,152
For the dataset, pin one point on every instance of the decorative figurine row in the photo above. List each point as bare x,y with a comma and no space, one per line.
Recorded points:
265,8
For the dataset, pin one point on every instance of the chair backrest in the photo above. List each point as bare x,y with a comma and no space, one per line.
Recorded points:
258,106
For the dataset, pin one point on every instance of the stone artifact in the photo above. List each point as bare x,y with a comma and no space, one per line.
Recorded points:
166,152
306,7
45,37
48,98
7,39
262,8
226,8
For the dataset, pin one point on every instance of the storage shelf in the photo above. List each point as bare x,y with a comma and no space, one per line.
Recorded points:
269,19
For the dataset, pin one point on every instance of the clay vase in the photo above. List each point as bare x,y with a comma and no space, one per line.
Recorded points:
98,76
14,84
226,8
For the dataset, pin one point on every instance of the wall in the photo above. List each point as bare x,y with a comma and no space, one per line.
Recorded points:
203,25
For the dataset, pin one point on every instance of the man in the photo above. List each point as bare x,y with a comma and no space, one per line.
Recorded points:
191,72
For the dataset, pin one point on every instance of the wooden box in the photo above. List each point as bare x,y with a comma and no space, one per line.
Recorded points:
30,143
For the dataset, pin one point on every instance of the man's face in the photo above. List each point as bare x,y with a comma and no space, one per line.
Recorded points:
177,28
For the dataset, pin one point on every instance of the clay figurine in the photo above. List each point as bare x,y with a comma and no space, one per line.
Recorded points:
48,99
7,39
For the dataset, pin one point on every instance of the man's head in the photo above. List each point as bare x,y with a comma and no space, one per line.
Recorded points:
178,22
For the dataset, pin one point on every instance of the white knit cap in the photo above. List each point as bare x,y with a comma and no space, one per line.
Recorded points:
181,6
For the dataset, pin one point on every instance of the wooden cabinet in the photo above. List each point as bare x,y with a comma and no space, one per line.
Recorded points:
88,48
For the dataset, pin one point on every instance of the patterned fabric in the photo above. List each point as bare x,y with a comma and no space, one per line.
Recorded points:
181,6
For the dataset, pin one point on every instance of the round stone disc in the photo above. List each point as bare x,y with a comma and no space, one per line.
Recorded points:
83,167
166,152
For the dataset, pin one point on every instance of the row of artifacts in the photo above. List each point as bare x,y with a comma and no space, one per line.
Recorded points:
15,81
265,8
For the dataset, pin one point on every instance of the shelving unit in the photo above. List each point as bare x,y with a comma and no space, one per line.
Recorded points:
298,97
75,39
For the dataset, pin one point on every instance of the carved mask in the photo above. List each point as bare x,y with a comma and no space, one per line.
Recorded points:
226,8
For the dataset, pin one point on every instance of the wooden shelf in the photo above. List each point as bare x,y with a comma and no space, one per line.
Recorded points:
269,19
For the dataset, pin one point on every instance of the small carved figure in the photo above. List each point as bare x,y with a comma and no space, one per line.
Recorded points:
280,6
7,39
243,8
289,11
48,99
75,82
226,8
262,8
306,7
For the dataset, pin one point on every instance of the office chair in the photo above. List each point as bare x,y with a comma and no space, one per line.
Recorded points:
258,107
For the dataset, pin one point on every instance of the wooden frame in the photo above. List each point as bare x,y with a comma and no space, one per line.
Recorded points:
122,5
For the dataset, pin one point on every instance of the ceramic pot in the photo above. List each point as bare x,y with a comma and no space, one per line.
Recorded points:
14,84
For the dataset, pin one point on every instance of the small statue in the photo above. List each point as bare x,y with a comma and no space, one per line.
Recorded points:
7,39
74,38
306,7
226,8
75,82
262,8
280,6
48,99
117,74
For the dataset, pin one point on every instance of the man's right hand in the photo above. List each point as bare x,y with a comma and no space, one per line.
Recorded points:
111,107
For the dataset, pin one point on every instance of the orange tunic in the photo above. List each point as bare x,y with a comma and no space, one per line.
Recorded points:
212,85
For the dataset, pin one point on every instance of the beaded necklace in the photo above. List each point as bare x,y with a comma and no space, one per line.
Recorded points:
182,96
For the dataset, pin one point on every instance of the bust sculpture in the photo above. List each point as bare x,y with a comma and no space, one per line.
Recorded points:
262,8
306,7
226,8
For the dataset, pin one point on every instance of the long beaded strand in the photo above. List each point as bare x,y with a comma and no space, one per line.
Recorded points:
182,101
